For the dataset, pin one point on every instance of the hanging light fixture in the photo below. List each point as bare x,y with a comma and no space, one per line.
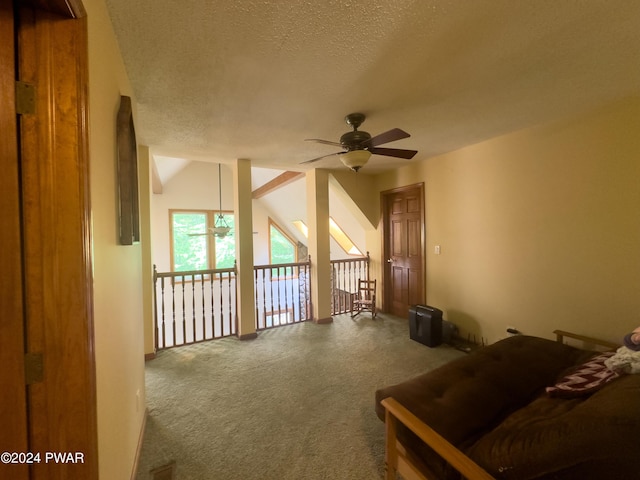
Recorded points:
355,159
220,228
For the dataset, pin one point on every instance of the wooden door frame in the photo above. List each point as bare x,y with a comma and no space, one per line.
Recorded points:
55,242
13,407
384,207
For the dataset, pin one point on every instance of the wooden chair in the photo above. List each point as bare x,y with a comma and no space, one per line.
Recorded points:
365,298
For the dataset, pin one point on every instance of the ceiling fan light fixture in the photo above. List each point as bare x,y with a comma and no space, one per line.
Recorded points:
220,229
358,146
355,159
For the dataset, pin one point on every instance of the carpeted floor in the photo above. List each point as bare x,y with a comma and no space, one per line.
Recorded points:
296,403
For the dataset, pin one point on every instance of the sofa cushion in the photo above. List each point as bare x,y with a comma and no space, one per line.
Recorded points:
469,396
470,393
567,439
584,379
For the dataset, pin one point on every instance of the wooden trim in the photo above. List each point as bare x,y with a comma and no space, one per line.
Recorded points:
385,280
248,336
560,334
149,356
128,202
323,321
278,182
65,8
76,8
13,404
399,461
294,243
53,55
208,217
136,458
210,222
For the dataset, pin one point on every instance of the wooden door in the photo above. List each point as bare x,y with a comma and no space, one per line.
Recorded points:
13,410
404,240
45,253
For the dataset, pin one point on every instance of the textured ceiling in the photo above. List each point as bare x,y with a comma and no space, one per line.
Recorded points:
217,80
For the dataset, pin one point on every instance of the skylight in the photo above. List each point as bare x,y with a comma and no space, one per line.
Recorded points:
336,233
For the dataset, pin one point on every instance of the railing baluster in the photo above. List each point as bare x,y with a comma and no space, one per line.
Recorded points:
155,302
256,294
167,334
173,305
285,293
215,318
204,320
268,319
193,306
264,298
278,285
223,318
307,292
293,305
345,276
184,317
164,332
235,300
279,294
231,322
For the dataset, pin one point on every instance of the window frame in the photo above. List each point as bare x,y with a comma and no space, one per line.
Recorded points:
302,227
291,240
210,219
344,234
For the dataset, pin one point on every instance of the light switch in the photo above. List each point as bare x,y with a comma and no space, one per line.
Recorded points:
437,250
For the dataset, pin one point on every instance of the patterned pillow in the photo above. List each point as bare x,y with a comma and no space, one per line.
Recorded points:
585,379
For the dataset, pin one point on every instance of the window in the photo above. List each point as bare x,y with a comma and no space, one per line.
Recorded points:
193,247
336,233
224,247
282,248
343,240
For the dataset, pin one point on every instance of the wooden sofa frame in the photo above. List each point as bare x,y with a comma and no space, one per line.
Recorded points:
396,457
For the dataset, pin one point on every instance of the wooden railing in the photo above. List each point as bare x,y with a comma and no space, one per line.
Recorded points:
344,282
200,305
282,294
194,306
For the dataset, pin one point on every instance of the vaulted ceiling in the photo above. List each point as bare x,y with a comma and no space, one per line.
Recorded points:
217,80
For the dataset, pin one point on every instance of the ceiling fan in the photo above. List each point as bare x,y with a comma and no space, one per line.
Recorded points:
358,146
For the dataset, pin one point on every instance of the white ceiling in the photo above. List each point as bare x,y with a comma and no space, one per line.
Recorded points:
217,80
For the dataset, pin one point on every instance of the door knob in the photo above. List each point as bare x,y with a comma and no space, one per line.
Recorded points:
390,260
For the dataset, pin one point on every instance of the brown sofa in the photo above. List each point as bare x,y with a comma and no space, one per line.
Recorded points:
489,415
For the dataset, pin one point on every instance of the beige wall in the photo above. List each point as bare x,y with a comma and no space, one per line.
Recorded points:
117,269
538,229
196,187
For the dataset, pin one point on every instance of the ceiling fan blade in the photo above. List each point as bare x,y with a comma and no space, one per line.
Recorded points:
386,137
394,152
325,142
323,156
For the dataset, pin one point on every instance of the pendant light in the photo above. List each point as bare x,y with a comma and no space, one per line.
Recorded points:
220,228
